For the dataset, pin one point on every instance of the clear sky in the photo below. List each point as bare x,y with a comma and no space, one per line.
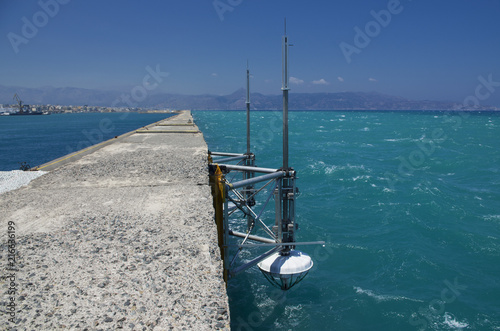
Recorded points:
418,49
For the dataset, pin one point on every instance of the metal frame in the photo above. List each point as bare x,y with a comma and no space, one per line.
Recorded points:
239,196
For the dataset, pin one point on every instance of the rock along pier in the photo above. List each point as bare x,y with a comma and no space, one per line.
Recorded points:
121,235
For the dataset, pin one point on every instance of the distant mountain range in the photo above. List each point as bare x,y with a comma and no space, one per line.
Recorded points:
234,101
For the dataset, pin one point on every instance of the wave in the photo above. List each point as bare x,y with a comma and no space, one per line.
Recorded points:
334,168
491,218
451,322
350,246
322,167
383,297
397,139
361,177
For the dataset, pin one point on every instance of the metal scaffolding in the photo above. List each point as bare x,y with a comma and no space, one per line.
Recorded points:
232,197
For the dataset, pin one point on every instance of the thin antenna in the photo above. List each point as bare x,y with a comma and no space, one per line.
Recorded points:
285,98
248,109
248,85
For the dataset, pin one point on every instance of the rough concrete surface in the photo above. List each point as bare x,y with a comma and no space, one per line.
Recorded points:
121,238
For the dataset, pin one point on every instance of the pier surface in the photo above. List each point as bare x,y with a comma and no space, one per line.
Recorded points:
120,237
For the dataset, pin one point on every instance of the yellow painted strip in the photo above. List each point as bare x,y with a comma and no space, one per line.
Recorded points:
72,155
176,124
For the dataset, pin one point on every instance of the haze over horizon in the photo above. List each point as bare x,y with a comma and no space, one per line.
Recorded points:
421,50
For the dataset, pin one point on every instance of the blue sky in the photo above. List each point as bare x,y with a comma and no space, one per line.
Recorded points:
427,49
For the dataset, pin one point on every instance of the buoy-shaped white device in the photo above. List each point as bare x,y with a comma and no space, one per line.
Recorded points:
284,270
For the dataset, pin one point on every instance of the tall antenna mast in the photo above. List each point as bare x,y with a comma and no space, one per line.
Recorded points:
285,89
287,219
248,109
283,265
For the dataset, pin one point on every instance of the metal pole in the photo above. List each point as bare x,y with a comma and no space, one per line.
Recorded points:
274,244
244,267
247,168
225,154
278,213
232,158
251,237
250,161
285,129
286,222
285,99
257,179
248,110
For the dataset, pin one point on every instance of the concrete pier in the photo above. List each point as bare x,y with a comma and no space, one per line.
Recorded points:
121,236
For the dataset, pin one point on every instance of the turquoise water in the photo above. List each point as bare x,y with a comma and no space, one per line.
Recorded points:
409,205
40,139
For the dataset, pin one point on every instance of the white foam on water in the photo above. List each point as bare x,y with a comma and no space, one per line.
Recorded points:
491,217
356,247
450,321
396,139
295,314
11,180
361,177
331,169
382,297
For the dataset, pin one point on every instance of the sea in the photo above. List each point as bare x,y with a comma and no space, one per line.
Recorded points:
37,139
407,202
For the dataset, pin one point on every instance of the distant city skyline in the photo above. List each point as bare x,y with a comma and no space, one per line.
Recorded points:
421,50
